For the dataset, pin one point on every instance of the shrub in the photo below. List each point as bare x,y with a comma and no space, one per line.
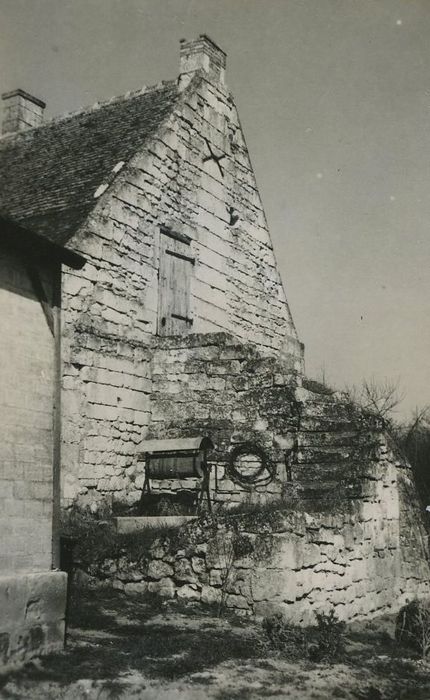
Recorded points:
413,626
96,538
321,642
330,637
291,640
94,534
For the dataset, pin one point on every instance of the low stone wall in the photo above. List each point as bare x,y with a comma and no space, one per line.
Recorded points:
350,533
32,616
298,563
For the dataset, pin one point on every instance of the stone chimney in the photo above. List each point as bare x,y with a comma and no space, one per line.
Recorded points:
21,111
204,55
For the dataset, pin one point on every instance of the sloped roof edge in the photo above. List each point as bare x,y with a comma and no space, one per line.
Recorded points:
49,175
29,242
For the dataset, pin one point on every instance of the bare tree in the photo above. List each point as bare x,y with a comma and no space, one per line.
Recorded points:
420,422
381,398
414,439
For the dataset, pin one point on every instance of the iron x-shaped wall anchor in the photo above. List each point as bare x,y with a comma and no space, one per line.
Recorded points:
214,157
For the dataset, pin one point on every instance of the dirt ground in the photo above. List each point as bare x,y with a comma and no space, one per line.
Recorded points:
123,647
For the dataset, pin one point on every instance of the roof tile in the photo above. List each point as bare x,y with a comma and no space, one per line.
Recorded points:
48,175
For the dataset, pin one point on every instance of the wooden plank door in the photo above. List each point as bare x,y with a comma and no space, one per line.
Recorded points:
174,279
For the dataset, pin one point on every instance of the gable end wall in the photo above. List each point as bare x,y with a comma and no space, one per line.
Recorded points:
110,306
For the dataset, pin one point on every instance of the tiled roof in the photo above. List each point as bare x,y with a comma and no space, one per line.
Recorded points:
48,175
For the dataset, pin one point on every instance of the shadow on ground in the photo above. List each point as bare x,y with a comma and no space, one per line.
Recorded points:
141,647
108,635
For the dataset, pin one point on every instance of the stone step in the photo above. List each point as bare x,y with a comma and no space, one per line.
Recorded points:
324,454
323,494
303,473
331,411
327,424
329,438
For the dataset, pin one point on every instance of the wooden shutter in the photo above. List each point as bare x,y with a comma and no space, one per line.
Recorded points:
176,265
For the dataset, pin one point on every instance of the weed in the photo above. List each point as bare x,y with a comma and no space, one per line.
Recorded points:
330,638
324,641
291,640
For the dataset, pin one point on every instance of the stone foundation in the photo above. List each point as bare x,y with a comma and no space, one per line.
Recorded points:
32,616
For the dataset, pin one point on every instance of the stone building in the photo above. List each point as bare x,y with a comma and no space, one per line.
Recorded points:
157,189
178,325
32,595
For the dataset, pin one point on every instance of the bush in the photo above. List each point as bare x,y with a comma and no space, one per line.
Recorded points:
291,640
324,641
94,533
97,538
330,636
413,626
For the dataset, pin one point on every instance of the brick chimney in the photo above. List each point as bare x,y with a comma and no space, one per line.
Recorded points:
204,55
21,111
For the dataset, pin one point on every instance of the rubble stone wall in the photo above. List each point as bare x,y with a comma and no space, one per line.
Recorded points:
350,532
110,306
363,560
213,385
317,444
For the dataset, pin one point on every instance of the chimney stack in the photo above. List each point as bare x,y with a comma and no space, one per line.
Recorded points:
204,55
21,111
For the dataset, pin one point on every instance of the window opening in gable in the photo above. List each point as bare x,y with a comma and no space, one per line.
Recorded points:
174,284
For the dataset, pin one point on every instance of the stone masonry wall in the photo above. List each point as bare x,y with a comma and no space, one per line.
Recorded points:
316,442
26,414
350,532
110,306
32,598
212,385
363,560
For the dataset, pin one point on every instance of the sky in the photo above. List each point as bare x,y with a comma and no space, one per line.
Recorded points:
334,99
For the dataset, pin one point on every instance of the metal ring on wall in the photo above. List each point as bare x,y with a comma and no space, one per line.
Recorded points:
250,448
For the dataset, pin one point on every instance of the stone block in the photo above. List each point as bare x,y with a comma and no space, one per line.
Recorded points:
236,601
184,571
198,565
32,610
210,595
164,587
136,588
270,584
158,569
187,592
266,608
215,577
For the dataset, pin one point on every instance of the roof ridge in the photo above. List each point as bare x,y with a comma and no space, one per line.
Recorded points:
145,89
